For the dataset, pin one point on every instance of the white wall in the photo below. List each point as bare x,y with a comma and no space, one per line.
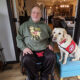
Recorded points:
5,33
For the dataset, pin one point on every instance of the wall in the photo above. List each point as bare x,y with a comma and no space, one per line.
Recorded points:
29,5
74,7
6,40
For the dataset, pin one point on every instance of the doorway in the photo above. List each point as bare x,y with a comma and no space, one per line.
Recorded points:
19,12
77,26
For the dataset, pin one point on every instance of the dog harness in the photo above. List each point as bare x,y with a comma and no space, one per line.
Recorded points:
71,46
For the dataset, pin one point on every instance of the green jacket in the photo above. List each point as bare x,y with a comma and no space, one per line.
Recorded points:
35,36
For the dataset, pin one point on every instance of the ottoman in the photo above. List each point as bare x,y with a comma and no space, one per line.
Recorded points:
70,69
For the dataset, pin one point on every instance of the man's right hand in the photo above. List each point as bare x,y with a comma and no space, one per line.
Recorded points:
27,51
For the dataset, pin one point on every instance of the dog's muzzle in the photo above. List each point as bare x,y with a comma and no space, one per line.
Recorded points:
54,39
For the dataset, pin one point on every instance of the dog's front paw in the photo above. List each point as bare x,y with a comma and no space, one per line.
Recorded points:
64,62
74,59
60,60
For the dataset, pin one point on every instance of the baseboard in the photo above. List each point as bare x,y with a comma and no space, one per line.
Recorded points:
12,62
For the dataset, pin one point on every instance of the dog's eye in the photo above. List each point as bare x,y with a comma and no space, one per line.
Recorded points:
59,33
54,32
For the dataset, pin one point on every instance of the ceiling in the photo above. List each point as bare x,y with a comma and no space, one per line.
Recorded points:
52,2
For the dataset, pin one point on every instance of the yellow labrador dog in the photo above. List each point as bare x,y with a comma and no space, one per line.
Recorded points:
65,44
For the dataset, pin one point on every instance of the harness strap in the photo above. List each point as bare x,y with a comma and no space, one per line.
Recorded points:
70,48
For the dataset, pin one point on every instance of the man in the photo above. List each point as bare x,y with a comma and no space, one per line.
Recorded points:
34,39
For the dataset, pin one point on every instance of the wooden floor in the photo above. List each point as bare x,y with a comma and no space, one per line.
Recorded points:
12,74
15,74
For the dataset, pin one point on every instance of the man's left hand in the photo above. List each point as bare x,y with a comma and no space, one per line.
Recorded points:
50,47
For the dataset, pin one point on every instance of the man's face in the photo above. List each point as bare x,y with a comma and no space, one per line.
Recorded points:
36,14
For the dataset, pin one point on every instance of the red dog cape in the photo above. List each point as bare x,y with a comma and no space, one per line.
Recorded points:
71,46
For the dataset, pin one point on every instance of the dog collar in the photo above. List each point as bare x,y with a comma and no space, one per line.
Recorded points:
63,41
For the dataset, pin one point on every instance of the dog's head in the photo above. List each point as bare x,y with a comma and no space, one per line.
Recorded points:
58,34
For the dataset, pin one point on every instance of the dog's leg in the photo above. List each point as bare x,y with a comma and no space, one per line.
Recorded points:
61,78
76,55
76,58
65,57
61,56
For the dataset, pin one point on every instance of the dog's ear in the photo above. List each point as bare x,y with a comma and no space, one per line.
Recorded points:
52,32
64,33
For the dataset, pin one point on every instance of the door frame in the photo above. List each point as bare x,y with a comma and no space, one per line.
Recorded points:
13,26
77,25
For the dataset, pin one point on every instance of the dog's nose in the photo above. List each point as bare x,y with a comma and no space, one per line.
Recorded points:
54,38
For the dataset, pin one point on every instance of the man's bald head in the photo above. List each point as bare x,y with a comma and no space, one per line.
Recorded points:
36,6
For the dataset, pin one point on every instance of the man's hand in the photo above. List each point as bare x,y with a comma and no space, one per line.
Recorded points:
27,51
50,47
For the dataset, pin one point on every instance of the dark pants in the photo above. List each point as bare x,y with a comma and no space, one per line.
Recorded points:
46,67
